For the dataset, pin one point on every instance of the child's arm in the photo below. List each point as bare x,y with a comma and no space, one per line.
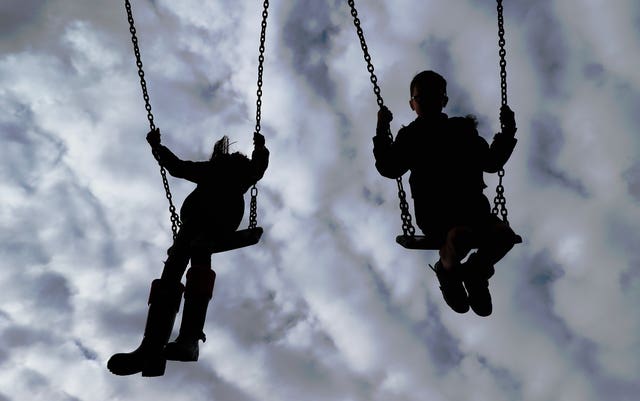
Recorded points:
188,170
391,156
503,142
259,158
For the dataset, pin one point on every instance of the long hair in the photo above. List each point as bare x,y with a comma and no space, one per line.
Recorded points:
233,168
221,147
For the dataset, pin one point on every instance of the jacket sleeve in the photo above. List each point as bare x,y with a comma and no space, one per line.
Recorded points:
497,154
193,171
391,156
259,163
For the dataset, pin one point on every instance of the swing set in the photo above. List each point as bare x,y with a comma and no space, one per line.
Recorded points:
240,238
409,239
252,234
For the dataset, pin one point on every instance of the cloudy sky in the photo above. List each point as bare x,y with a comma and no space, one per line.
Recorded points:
327,306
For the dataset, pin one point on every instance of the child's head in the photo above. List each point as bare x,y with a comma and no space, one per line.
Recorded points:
428,93
236,163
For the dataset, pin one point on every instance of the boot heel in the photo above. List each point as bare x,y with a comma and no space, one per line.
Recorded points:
154,367
182,351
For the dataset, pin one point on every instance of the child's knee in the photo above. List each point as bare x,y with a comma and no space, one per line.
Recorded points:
200,252
460,237
501,238
200,282
459,243
504,234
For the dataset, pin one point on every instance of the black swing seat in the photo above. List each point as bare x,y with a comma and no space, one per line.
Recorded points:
426,243
238,239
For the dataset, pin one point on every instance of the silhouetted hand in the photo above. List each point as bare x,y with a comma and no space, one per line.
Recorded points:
384,117
153,137
258,140
508,120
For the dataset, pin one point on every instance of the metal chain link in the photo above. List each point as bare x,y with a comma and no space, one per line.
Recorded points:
502,53
175,219
500,202
405,214
253,208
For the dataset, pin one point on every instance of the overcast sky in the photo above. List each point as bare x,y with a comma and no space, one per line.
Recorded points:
326,306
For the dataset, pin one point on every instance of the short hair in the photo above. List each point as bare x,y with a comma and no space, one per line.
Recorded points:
429,79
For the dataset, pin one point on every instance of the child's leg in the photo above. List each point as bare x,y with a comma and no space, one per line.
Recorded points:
178,256
496,241
198,293
164,302
447,269
456,246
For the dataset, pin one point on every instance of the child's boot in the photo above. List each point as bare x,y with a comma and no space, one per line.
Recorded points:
198,293
164,302
451,286
476,281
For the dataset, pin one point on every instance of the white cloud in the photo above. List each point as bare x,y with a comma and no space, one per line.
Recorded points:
327,306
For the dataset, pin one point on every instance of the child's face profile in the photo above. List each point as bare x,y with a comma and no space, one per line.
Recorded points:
427,102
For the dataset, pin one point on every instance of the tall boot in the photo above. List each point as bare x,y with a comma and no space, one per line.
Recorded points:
164,302
198,293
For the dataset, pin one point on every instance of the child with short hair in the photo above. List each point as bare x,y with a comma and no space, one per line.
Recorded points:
447,158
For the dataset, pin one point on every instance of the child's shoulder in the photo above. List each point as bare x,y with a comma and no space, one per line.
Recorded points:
416,126
468,121
467,124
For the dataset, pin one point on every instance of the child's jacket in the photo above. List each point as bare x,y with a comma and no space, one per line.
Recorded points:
447,158
221,181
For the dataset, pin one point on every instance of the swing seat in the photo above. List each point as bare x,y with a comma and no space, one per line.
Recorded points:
426,243
238,239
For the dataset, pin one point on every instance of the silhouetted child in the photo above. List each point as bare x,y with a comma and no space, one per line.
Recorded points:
214,209
447,158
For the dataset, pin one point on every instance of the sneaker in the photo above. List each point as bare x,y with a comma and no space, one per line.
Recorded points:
476,281
452,289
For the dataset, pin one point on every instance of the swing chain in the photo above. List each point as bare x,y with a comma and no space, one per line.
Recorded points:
502,53
500,202
263,36
407,227
253,206
175,219
365,51
405,215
